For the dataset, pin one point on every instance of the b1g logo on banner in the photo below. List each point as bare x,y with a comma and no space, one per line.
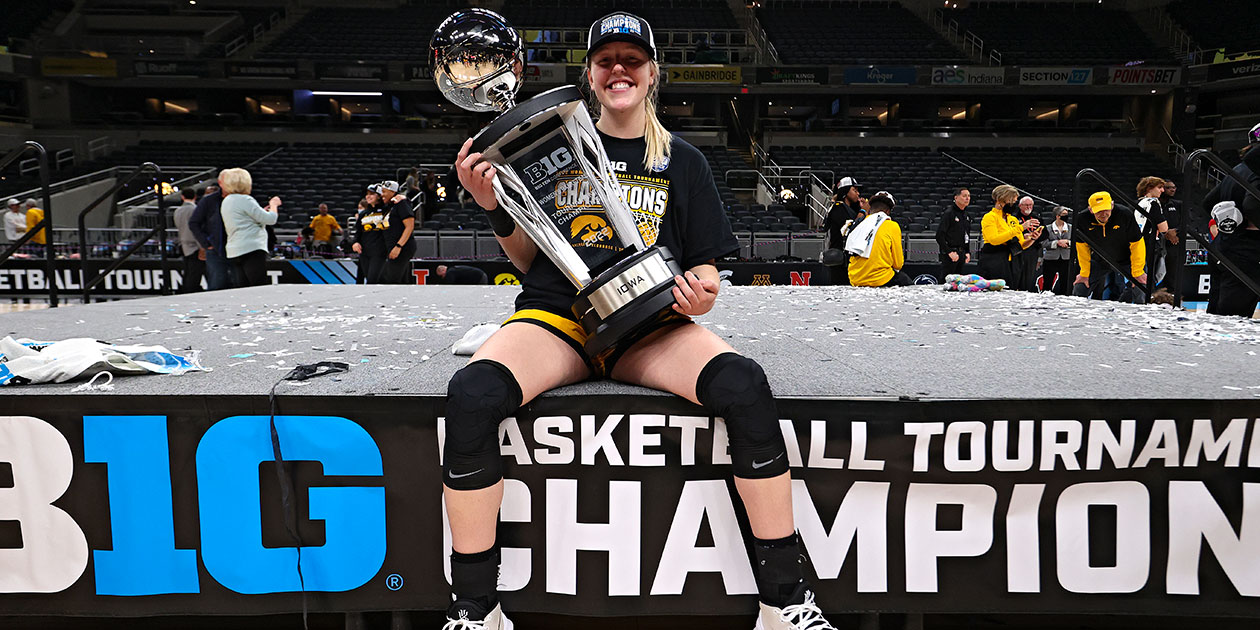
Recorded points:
627,504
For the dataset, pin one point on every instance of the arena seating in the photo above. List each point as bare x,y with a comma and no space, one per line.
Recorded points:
922,179
855,32
661,14
1058,34
1215,24
22,18
400,34
209,154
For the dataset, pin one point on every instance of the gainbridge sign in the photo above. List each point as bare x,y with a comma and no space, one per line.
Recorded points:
705,74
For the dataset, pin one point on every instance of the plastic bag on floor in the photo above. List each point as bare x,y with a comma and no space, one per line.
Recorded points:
25,362
473,339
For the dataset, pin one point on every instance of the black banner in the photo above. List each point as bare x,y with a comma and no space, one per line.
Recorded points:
355,71
172,68
1234,70
149,505
143,277
262,70
802,75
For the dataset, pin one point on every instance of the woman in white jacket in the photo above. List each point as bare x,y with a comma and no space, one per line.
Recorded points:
246,225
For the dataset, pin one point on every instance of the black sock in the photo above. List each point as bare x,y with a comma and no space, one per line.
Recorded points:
475,577
779,571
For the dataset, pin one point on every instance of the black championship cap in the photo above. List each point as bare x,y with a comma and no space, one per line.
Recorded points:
621,27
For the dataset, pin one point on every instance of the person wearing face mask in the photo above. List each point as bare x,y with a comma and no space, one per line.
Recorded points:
1118,237
540,347
1003,236
1027,260
1057,254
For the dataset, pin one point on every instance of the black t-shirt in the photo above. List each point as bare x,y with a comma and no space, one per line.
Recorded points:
677,207
394,226
373,224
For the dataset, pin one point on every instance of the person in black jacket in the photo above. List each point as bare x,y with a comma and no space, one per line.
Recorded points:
398,235
1027,261
848,208
953,235
206,225
1239,240
1174,248
1117,235
369,240
1248,169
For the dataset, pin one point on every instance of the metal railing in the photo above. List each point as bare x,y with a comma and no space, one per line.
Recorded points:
1212,159
767,54
45,224
965,39
1177,37
159,231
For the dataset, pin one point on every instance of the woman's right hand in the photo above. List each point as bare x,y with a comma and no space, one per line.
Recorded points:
358,249
476,178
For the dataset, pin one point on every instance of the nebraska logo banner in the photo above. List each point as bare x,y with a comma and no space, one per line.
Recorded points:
625,506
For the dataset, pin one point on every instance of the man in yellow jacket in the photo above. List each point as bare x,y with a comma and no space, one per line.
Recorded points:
325,226
1002,235
33,216
1119,238
876,247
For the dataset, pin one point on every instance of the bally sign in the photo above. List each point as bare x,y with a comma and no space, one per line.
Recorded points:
1056,76
1143,75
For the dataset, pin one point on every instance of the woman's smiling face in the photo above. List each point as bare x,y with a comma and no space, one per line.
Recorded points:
621,75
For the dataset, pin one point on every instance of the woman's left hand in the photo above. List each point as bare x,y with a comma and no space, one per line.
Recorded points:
394,252
694,295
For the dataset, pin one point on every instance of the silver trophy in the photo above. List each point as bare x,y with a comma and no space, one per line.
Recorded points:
546,148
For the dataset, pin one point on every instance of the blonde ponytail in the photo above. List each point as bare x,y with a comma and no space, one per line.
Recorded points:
656,156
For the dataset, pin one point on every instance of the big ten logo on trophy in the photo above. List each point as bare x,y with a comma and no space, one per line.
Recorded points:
548,165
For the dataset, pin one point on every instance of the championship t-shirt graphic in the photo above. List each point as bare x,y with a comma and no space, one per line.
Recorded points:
580,214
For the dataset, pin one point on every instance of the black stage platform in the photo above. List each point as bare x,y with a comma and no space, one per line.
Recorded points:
952,453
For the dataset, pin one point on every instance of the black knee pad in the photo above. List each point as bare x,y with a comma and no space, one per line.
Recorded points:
735,388
479,397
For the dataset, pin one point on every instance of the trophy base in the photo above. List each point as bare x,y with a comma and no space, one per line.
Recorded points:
626,297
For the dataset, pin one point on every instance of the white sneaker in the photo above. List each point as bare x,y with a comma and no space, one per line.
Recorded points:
803,616
458,617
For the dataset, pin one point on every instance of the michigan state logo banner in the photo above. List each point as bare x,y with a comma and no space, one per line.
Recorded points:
624,505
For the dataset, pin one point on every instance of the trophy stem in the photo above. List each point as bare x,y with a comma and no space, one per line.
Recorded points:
504,98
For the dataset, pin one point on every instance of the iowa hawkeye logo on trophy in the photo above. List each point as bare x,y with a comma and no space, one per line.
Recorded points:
478,63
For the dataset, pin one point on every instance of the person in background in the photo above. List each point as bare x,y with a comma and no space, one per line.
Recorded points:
460,274
1057,254
953,235
325,226
1117,236
246,225
876,248
1002,236
1239,240
35,214
400,225
848,208
428,206
1152,222
1027,261
207,227
369,242
194,255
411,185
1174,248
14,221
